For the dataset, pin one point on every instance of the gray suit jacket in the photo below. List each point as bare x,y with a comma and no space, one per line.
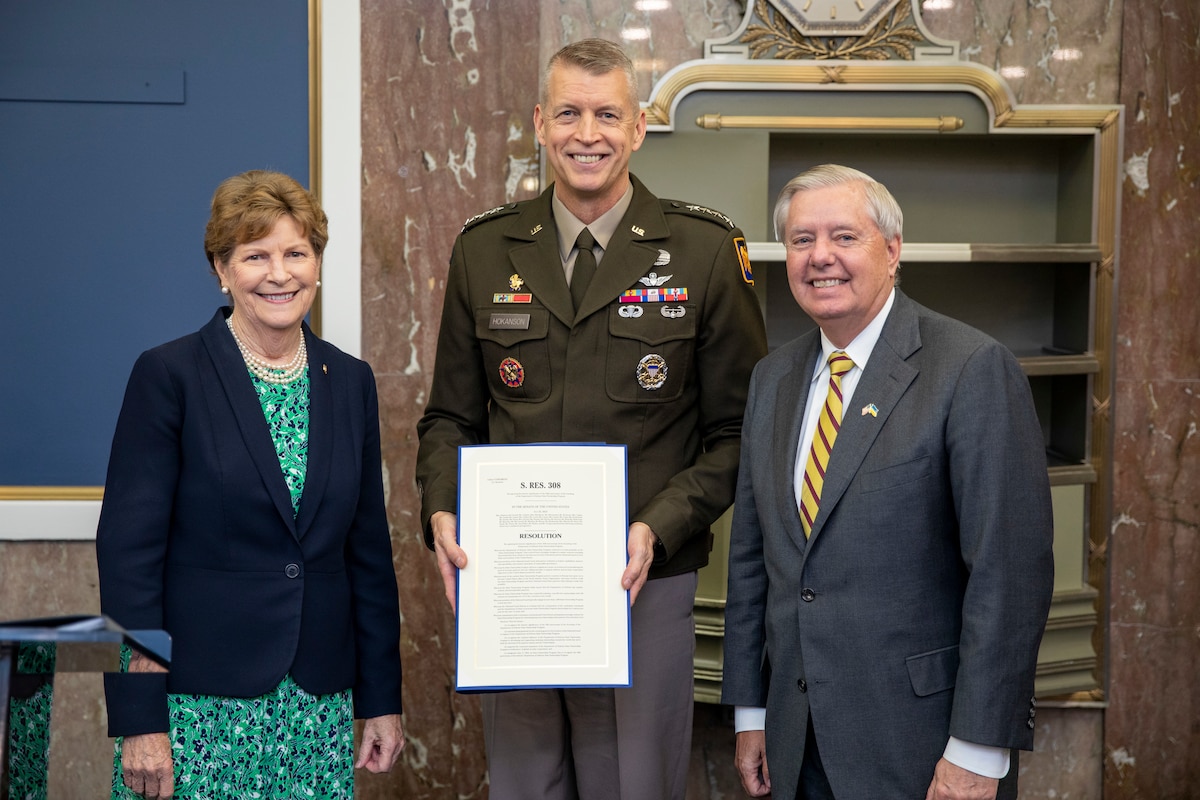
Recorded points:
915,610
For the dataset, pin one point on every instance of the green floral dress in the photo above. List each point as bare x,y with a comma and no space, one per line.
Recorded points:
284,744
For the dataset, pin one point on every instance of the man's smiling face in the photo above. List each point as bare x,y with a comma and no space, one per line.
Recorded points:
590,126
840,267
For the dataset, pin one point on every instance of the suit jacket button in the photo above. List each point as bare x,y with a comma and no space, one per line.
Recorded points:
292,570
808,595
1031,724
802,685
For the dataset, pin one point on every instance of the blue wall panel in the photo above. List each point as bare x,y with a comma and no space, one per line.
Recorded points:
133,112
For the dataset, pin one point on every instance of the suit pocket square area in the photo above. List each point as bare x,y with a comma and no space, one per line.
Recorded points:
934,671
878,480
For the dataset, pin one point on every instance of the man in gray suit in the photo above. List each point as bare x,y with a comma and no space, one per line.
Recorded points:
889,577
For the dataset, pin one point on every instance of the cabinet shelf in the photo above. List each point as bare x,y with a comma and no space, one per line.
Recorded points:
964,253
1009,224
1069,474
1069,364
1037,305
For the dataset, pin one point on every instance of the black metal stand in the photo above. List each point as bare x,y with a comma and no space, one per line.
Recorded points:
79,644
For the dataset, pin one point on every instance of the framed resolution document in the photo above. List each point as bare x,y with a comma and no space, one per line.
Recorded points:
540,603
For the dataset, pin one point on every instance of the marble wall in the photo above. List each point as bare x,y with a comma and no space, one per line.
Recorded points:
1152,727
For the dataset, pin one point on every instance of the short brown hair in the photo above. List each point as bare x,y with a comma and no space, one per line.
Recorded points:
247,206
595,57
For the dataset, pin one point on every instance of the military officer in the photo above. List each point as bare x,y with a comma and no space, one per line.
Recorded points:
599,313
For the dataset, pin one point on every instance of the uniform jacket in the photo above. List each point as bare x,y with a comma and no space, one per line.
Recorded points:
197,534
915,610
578,374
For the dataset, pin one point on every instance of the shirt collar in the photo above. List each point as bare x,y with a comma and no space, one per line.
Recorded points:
863,345
602,228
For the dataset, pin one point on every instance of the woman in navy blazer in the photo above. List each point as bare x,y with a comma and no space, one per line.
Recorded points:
244,514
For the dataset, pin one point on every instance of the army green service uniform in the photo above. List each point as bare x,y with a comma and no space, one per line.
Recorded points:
664,372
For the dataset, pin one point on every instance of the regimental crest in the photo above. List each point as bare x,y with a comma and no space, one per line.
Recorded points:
512,373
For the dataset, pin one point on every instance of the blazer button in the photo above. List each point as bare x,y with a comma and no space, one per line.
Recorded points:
808,595
1031,724
292,570
802,685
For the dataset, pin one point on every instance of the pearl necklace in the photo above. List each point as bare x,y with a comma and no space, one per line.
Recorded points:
267,372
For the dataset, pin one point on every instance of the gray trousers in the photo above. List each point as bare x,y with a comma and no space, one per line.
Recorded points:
605,744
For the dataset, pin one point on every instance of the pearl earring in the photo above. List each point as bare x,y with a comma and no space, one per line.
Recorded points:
224,290
318,284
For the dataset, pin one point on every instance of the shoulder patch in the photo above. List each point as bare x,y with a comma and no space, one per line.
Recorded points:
507,208
743,254
693,210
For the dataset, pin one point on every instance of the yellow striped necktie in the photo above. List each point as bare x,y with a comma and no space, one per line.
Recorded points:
828,425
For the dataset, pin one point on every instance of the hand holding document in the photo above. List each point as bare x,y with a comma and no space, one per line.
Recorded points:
540,602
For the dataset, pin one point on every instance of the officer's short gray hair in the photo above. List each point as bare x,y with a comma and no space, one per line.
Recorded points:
596,57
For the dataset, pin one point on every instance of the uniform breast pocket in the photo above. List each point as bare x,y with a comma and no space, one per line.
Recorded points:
650,354
516,355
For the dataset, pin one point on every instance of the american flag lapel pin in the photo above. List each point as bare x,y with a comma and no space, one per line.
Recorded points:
871,409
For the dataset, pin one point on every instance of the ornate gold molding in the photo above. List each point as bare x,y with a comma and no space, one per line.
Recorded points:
896,36
892,76
716,122
45,493
314,128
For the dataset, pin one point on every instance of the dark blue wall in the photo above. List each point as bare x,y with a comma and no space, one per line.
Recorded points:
117,121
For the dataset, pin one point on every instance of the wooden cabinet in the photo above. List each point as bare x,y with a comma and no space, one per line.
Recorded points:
1010,215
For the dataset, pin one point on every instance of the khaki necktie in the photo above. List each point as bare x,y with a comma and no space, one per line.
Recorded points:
585,266
828,425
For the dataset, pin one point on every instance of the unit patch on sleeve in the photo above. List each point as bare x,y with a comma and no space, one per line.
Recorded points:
743,253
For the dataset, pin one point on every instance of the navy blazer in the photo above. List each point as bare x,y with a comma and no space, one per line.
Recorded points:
915,609
197,535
